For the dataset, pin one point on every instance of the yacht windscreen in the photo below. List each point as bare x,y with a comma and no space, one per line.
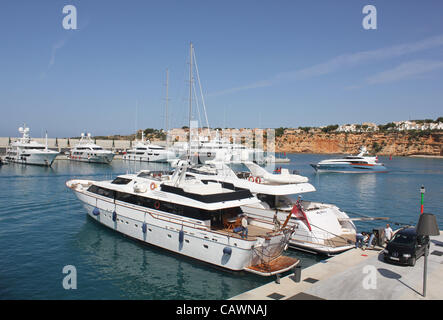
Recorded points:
267,198
120,180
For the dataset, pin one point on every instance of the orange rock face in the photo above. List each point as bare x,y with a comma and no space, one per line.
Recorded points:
398,143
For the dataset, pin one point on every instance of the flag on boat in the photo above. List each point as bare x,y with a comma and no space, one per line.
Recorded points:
298,212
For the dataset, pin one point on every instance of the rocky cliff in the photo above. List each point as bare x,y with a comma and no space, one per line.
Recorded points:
390,143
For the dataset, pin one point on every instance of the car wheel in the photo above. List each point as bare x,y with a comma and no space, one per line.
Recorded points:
413,260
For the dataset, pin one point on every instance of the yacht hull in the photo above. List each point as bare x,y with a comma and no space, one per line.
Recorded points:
105,159
349,168
39,159
325,233
149,158
169,232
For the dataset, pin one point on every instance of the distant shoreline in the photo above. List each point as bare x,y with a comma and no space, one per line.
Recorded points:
425,156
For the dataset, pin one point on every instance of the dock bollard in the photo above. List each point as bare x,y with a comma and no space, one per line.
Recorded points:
297,273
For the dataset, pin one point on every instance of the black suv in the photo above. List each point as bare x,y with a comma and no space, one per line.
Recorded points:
406,247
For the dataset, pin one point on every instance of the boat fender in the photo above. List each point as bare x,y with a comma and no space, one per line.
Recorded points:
258,180
227,250
251,178
144,227
153,186
181,236
96,211
114,216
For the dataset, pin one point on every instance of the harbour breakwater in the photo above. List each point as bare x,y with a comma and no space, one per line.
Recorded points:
397,143
380,143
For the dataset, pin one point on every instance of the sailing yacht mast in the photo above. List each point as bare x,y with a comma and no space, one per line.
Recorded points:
167,100
190,98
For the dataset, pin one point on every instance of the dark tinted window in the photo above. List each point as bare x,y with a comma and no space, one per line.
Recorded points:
119,180
101,191
127,197
190,212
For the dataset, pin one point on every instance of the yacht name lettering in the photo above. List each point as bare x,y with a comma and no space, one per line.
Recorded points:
188,310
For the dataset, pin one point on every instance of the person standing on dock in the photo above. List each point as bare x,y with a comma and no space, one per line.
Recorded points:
388,233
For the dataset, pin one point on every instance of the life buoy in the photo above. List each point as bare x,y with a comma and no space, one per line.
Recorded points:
157,204
153,186
258,180
251,178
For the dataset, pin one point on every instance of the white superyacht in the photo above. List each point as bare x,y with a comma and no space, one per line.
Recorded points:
27,151
87,151
189,217
144,150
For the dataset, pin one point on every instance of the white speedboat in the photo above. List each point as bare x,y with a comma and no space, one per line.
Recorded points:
87,151
187,216
319,227
27,151
354,164
144,150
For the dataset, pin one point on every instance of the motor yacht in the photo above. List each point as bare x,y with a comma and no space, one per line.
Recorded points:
188,216
319,227
87,151
360,163
27,151
144,150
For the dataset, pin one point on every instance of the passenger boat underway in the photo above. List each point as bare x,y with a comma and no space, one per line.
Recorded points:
360,163
194,218
87,151
319,227
146,151
27,151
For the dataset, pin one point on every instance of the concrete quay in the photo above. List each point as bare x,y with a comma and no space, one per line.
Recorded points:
359,275
66,143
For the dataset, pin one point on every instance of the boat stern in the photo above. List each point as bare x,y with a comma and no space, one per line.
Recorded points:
276,266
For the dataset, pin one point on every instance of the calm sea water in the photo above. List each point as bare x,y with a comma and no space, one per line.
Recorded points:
43,228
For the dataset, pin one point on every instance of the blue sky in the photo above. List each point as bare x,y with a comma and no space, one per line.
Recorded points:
261,63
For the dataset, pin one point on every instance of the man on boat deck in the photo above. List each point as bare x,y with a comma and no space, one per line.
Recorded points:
244,224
